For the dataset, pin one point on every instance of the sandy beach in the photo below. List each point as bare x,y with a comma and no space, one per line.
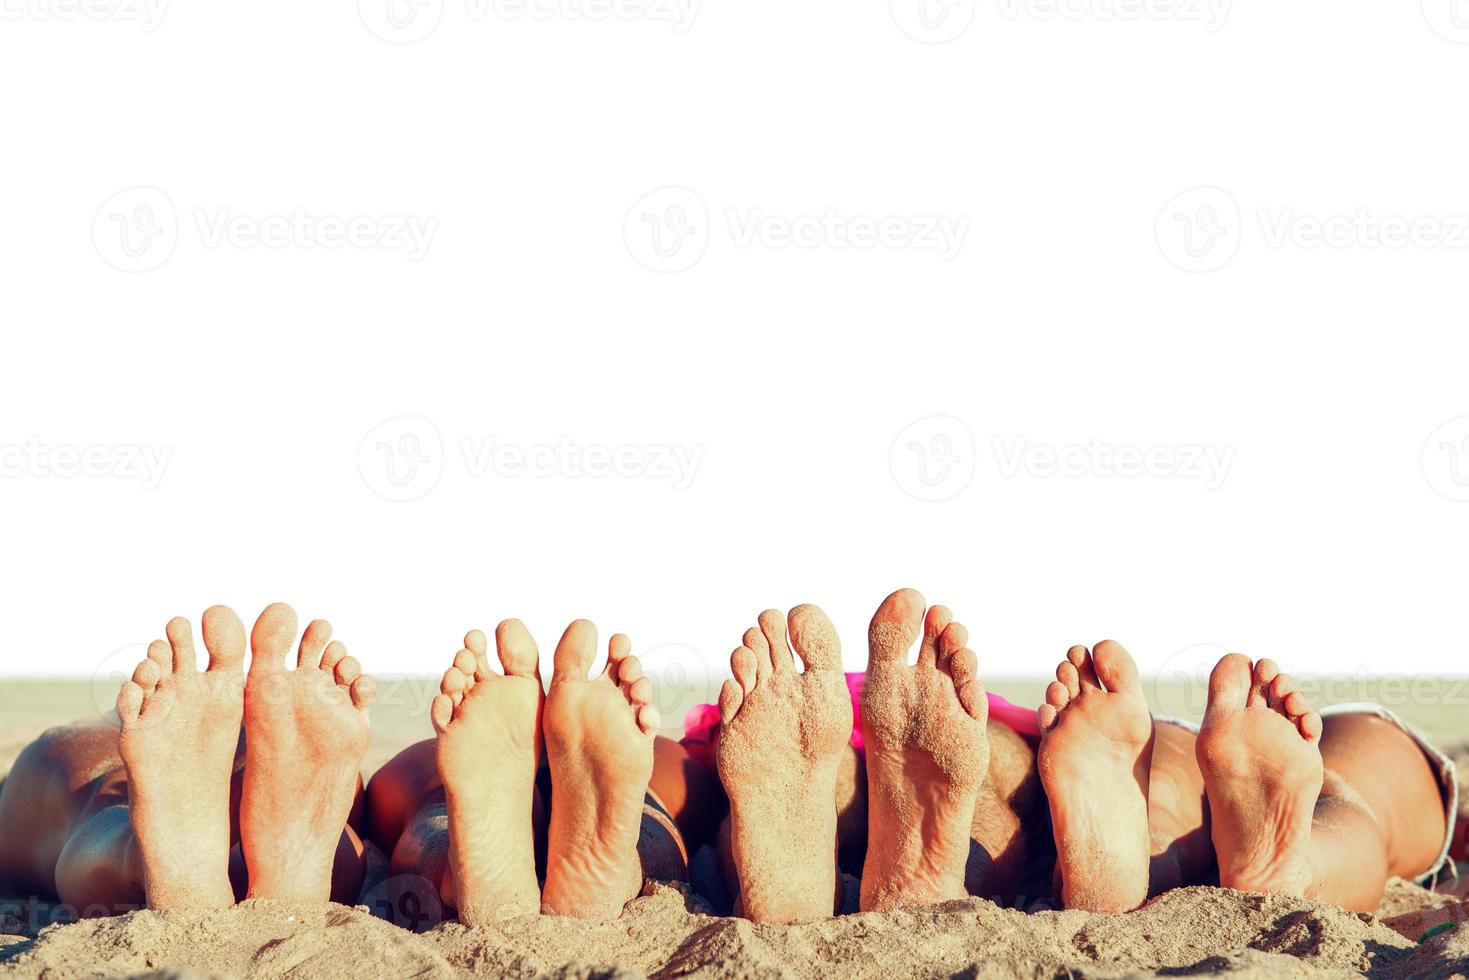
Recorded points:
673,931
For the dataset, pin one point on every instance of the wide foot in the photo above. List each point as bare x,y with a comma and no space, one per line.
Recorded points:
1260,755
927,754
782,734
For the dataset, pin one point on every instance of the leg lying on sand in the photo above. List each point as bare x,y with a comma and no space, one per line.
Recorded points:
1295,806
927,755
1298,810
467,818
138,806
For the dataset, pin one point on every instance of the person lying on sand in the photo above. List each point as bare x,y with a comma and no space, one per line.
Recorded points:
143,805
1320,805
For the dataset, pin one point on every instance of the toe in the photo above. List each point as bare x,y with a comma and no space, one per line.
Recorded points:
575,652
754,641
1046,716
161,658
963,666
773,626
1080,658
467,664
332,655
964,669
619,648
639,692
519,655
129,703
731,696
1278,691
1115,668
934,624
318,634
629,670
1229,684
1264,673
363,691
271,637
746,672
1057,696
453,684
1309,725
648,719
441,712
224,638
1294,705
348,670
181,639
894,627
475,643
1068,675
953,639
814,638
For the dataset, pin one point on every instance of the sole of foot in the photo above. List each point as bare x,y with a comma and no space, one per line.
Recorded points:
927,754
781,737
599,735
489,746
1260,754
1095,756
306,731
180,730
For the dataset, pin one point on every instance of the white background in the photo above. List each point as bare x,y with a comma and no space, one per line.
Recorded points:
1060,138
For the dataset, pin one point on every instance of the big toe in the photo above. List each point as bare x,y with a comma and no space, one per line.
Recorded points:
224,638
271,638
519,654
576,651
1115,667
1229,684
894,627
815,638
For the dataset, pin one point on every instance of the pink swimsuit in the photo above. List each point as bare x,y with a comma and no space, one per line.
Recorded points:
702,721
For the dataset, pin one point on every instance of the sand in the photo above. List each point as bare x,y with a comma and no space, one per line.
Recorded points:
670,931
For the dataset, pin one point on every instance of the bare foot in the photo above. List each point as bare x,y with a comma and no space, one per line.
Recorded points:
489,746
1260,753
1095,757
780,744
927,754
180,729
305,733
599,743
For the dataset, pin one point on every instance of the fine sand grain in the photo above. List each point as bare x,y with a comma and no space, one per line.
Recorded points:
671,932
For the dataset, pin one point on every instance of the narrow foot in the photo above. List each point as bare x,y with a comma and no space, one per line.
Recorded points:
305,734
781,738
489,745
1095,756
599,743
180,730
1260,754
927,754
